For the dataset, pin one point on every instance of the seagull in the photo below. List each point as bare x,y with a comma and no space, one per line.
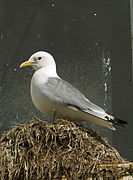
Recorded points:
57,98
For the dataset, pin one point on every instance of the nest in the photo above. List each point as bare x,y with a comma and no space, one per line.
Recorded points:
38,150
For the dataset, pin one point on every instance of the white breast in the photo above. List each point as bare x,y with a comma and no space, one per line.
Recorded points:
39,99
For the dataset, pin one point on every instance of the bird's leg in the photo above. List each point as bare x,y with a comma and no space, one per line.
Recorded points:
54,115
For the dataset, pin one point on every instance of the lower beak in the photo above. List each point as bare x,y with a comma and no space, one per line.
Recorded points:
26,63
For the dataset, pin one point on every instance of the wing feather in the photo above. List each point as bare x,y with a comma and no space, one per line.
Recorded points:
61,91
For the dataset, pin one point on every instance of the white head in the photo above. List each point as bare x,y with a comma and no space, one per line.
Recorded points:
40,60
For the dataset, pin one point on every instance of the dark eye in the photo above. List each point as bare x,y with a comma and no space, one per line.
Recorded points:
39,58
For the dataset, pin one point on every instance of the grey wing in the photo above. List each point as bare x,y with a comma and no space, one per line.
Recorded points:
63,92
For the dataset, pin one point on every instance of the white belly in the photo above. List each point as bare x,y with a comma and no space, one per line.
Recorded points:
47,107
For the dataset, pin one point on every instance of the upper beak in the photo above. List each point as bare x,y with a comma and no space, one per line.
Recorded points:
26,63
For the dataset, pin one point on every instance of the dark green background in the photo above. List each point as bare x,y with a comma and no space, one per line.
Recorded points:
87,38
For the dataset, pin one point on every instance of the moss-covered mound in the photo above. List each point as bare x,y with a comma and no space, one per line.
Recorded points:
38,150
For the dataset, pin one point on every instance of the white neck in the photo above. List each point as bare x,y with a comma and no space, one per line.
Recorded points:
49,71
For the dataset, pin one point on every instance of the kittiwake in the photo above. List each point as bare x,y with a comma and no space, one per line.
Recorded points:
56,97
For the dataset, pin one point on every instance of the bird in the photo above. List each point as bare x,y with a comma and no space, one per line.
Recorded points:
57,98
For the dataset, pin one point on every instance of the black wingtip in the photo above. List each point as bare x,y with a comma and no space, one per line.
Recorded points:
119,122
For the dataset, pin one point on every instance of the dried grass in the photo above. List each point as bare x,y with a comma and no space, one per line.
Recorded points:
38,150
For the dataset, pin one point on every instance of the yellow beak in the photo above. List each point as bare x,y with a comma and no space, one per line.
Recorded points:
26,63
